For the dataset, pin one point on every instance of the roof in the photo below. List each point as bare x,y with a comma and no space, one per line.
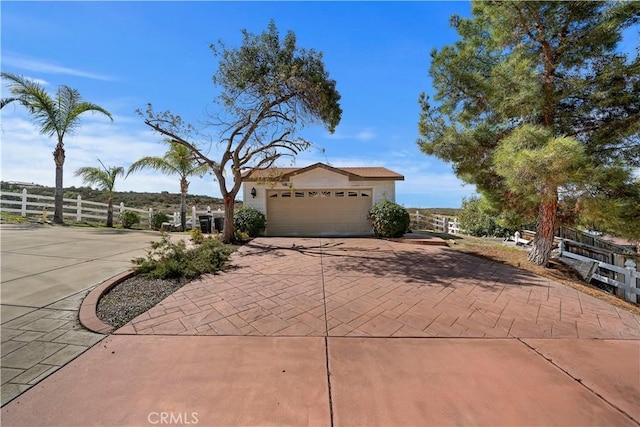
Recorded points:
354,173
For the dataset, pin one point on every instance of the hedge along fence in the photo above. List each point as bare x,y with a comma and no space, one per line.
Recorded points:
77,209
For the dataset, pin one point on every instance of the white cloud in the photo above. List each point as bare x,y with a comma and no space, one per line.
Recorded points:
362,135
43,66
27,155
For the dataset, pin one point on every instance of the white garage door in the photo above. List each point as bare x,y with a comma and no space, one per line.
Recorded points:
318,212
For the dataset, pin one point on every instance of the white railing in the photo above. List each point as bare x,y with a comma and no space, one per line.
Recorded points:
447,225
80,210
195,214
626,278
26,204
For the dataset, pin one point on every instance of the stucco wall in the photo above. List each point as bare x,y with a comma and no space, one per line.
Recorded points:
317,178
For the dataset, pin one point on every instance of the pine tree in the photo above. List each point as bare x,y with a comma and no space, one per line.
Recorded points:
536,107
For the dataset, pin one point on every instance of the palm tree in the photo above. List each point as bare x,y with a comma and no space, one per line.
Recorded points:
105,180
55,115
178,160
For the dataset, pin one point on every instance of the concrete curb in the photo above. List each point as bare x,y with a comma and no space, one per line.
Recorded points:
87,315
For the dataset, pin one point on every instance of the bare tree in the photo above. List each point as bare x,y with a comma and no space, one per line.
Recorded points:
270,90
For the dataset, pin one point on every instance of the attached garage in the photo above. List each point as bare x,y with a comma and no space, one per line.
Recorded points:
318,212
318,200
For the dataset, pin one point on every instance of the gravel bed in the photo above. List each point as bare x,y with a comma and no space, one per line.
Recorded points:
133,297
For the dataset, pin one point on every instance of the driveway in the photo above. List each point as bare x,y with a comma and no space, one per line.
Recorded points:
355,332
46,272
377,288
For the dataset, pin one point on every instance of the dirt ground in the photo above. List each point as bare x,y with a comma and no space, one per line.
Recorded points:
507,253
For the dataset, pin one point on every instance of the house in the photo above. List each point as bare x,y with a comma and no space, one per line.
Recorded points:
318,200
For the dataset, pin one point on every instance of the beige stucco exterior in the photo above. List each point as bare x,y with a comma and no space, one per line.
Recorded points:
318,201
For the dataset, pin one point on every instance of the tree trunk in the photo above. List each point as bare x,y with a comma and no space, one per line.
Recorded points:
228,231
58,158
184,186
110,212
545,229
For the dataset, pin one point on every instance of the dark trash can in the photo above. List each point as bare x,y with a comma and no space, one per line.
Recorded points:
219,224
205,223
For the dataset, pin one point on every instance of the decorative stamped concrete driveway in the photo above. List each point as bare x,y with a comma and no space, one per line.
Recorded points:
346,333
377,288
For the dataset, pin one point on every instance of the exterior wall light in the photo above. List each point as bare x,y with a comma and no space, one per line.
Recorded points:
253,192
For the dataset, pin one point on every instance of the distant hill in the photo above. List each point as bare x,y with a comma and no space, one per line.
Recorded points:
435,211
165,201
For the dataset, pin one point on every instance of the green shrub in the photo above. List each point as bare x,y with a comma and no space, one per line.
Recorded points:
249,220
157,219
168,260
196,235
389,219
129,219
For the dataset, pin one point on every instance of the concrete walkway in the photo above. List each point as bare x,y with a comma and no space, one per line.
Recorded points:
355,332
46,271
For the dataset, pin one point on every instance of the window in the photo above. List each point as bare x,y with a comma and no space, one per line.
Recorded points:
313,194
273,195
325,193
353,194
365,193
299,194
339,193
286,194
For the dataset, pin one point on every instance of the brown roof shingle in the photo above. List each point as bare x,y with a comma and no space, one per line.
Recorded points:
354,173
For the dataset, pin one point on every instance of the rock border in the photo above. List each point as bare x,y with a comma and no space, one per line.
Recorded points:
87,315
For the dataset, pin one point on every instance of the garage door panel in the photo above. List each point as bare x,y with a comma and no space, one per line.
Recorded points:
322,214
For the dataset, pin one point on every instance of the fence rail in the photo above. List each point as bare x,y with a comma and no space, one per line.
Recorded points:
26,204
447,225
590,240
624,278
441,224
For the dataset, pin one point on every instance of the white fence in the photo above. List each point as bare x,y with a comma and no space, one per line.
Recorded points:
447,225
624,278
80,210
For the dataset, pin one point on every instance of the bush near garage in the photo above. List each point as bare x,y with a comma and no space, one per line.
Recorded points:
389,219
249,220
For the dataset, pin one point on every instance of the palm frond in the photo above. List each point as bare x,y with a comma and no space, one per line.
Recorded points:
104,179
36,100
54,115
6,101
157,163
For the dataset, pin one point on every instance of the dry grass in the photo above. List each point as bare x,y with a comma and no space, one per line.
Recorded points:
496,250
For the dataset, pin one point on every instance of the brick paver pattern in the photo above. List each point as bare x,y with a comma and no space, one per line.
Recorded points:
378,288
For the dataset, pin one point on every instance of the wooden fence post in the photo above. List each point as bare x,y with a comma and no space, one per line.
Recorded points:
23,210
79,209
150,217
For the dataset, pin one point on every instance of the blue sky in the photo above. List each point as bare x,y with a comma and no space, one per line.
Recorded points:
122,55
